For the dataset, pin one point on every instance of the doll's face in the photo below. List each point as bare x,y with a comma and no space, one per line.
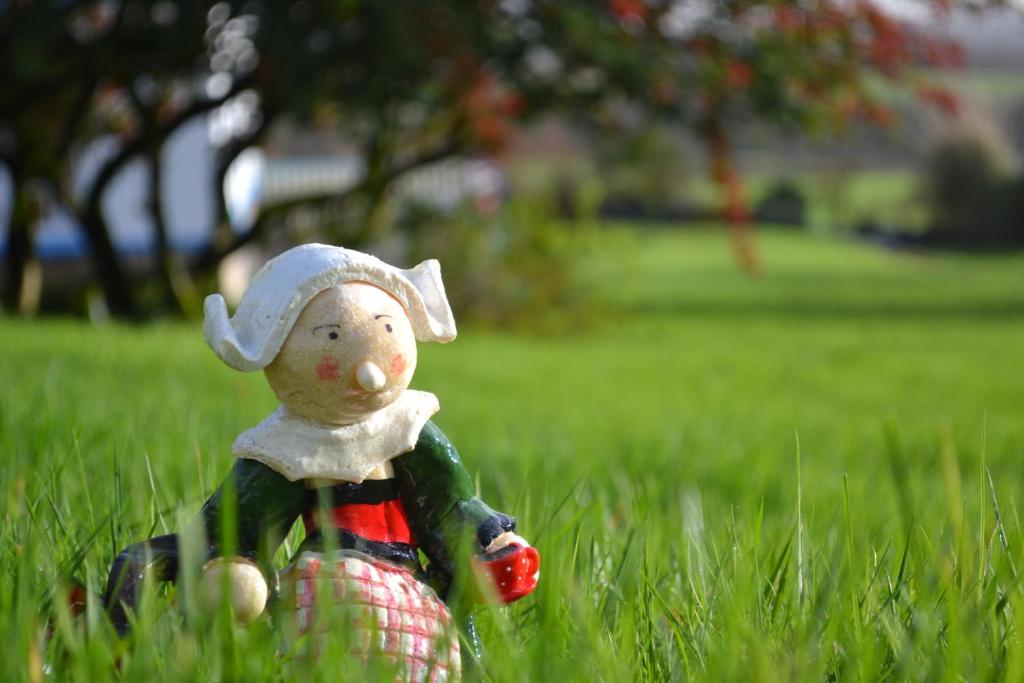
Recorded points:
351,352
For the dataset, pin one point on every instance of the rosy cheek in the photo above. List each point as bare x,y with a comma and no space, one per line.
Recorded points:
327,369
398,365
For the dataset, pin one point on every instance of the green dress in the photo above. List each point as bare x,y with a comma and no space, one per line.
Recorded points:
448,522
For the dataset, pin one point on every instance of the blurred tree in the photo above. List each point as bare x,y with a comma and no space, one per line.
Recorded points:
77,72
409,82
972,184
645,168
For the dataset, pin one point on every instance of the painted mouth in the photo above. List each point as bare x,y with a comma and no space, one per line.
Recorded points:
362,393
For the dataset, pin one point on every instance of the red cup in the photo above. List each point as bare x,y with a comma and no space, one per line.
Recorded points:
512,571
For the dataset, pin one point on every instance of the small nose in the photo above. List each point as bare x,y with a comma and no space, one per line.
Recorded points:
370,377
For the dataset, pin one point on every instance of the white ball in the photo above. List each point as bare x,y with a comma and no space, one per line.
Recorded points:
248,587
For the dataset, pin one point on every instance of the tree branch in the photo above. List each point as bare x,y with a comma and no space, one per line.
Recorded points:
375,186
137,145
448,149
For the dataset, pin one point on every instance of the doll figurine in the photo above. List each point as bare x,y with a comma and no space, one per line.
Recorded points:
353,453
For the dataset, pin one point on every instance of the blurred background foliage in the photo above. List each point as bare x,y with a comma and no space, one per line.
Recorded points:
486,132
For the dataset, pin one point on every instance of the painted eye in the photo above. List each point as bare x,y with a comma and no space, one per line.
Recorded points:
332,335
387,326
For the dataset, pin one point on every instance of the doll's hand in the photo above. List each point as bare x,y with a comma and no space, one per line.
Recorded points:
248,587
506,539
492,528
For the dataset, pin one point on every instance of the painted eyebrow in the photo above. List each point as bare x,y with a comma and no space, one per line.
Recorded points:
383,315
318,327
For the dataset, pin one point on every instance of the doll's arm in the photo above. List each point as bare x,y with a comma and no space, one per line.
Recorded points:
438,497
157,557
266,505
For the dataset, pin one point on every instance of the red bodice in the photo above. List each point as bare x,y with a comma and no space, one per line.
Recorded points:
371,510
383,522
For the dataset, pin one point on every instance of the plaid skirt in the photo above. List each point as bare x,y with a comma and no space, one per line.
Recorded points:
391,613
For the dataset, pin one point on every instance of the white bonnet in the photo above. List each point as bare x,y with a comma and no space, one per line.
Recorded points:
279,291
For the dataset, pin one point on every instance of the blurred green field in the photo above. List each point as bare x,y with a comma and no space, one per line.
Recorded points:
838,201
782,478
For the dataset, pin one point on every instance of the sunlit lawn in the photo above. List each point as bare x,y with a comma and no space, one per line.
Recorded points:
781,478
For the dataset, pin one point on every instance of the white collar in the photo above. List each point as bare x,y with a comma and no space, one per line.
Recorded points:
302,449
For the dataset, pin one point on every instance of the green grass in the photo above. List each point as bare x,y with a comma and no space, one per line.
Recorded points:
784,478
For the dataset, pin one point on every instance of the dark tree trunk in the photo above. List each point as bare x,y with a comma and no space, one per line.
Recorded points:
224,241
170,277
19,236
113,280
171,280
115,283
19,248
